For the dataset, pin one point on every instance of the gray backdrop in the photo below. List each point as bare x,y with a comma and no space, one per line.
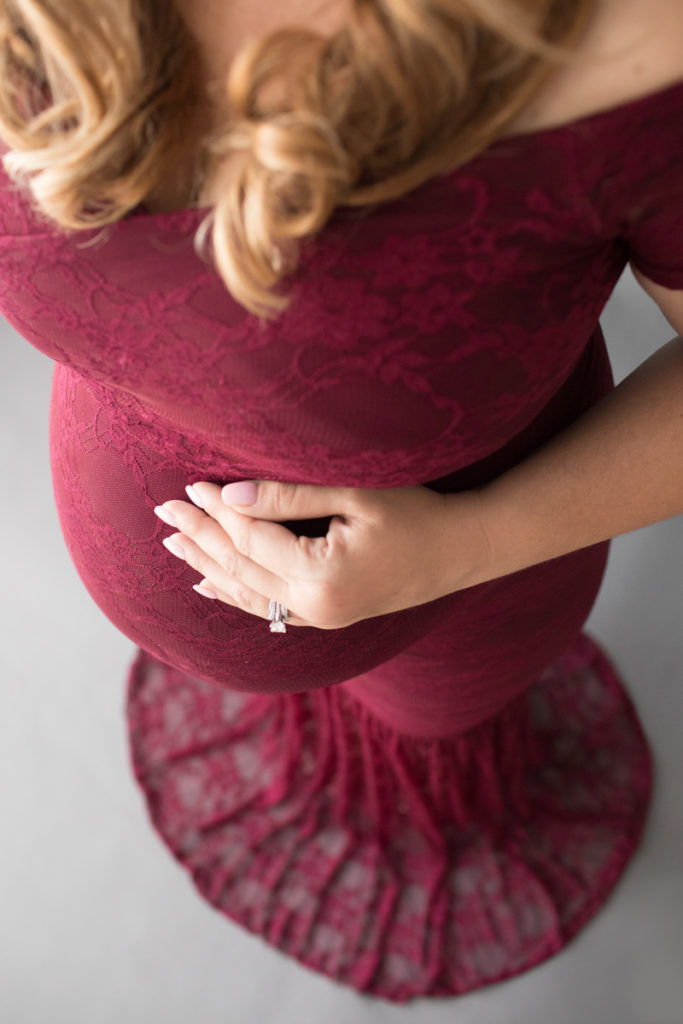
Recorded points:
99,924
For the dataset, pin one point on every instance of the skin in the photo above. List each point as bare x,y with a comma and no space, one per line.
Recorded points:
352,573
615,470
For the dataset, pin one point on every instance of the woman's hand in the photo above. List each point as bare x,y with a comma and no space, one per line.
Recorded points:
384,550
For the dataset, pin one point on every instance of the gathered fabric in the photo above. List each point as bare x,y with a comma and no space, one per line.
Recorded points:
423,802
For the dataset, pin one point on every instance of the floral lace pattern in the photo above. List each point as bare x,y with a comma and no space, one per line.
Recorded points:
438,339
400,868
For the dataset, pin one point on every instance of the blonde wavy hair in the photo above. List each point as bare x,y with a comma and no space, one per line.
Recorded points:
98,98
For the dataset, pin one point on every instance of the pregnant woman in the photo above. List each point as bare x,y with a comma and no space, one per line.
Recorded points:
338,269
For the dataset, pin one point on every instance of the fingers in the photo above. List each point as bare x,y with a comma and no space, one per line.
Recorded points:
208,548
215,585
247,561
276,501
268,544
260,606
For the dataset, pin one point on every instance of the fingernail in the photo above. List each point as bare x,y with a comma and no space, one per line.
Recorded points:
193,496
174,547
242,493
205,592
166,516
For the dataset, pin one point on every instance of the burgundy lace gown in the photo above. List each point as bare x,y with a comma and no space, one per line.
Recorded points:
433,800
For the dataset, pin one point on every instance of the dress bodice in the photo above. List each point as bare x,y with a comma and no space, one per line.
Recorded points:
423,335
436,339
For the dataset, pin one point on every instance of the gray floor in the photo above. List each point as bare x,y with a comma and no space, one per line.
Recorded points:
98,924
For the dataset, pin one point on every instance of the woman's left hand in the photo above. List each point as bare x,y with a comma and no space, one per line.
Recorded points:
384,550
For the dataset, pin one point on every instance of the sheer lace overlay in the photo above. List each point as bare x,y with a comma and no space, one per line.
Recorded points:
438,339
401,868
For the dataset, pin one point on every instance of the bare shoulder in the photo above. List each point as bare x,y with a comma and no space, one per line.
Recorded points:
631,48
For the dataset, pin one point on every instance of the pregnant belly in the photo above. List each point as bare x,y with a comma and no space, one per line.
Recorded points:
106,486
107,482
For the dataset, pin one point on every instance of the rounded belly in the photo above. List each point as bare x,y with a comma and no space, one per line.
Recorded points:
106,486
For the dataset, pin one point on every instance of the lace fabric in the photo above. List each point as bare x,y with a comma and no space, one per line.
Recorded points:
401,868
438,339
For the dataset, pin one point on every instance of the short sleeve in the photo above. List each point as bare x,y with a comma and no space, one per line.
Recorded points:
655,238
646,191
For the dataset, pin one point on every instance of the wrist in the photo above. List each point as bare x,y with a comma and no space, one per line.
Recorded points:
468,555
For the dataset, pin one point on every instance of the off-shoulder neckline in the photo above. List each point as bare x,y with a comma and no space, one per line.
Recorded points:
663,95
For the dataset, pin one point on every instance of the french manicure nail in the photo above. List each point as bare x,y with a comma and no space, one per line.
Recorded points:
205,591
166,516
193,496
174,547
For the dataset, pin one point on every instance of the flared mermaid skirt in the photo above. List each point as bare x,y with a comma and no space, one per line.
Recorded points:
399,866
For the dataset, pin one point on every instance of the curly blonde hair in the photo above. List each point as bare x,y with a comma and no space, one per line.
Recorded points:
99,97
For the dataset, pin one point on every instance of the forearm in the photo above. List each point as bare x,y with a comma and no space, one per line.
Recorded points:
618,468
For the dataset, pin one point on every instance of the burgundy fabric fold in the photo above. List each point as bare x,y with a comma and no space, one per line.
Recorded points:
439,340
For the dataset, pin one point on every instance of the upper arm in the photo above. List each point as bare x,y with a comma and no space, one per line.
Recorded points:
669,300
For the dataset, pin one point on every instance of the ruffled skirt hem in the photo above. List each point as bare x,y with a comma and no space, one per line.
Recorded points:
400,867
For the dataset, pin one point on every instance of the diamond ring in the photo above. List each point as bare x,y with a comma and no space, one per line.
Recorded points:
278,616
